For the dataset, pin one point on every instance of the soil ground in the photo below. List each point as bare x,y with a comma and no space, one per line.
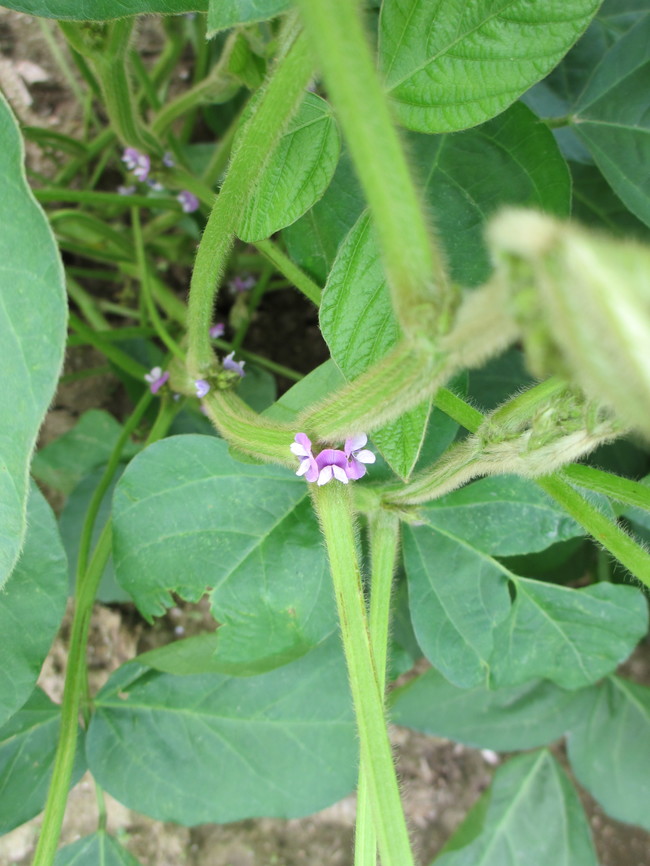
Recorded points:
440,780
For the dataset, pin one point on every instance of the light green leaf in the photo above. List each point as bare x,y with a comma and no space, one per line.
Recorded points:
450,65
223,14
610,750
571,636
27,747
103,10
532,815
298,173
63,463
313,240
100,849
188,517
211,748
506,720
612,118
70,526
193,655
31,606
33,328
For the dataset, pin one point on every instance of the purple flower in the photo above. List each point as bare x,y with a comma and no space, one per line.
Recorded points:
235,366
155,185
356,456
168,159
202,387
241,284
126,190
156,379
138,163
189,202
302,448
332,463
217,330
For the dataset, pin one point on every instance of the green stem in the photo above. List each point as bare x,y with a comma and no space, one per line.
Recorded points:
95,147
220,155
117,356
292,272
273,110
249,432
86,304
157,322
619,489
254,300
384,543
101,199
414,266
144,80
332,502
457,409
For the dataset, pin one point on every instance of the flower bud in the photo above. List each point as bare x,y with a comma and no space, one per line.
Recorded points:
582,301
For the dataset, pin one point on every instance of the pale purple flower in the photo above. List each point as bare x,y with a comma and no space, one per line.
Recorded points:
156,379
229,363
189,202
138,163
168,159
217,330
357,455
332,463
302,449
126,190
241,284
202,387
155,185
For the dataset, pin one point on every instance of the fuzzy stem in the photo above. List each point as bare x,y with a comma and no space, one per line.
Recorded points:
414,265
333,506
617,488
292,272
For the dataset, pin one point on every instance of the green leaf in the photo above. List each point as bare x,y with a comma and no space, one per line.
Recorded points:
506,720
313,240
610,750
612,118
454,66
103,10
27,747
223,14
70,525
100,849
498,380
533,815
595,203
298,173
193,655
63,463
318,384
188,517
460,594
278,744
573,637
31,606
33,328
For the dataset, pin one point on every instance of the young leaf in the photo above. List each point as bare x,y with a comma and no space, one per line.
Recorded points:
573,637
313,240
100,848
188,517
103,10
298,173
610,749
63,463
27,747
33,327
223,14
506,720
451,66
31,606
278,744
612,119
533,815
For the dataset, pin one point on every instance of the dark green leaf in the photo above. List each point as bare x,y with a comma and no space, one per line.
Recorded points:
451,66
506,720
33,328
63,463
498,380
202,748
532,816
103,10
595,203
188,517
31,606
223,14
193,655
298,173
100,849
612,118
27,746
610,750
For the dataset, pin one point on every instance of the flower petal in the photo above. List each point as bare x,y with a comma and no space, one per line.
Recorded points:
340,474
325,475
353,443
365,456
355,470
